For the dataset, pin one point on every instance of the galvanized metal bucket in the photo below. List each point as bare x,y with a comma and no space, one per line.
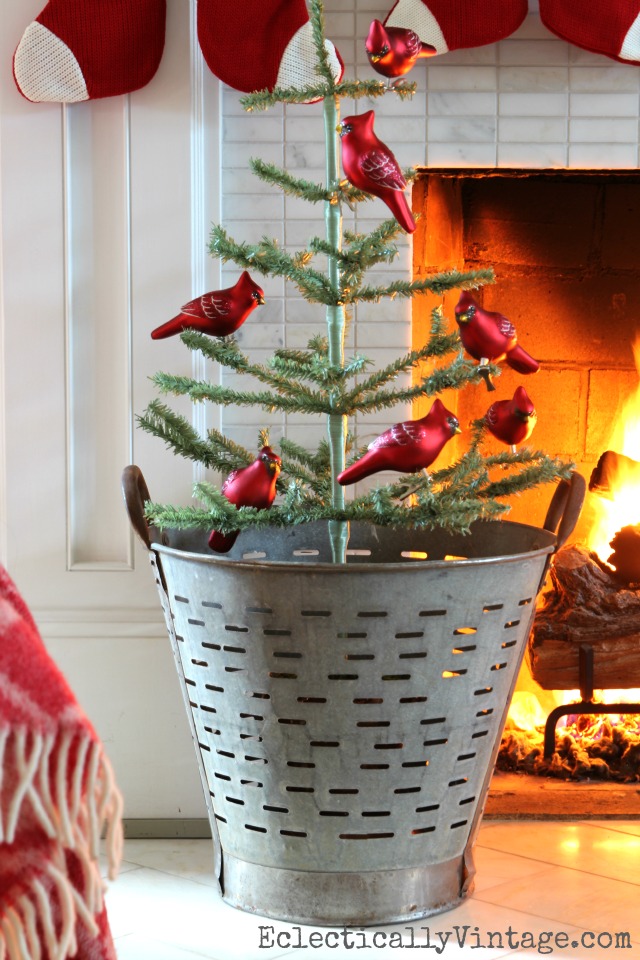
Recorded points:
347,717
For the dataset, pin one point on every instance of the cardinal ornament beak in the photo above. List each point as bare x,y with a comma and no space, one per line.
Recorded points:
260,299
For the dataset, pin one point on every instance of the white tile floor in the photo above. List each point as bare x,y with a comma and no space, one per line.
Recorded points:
577,881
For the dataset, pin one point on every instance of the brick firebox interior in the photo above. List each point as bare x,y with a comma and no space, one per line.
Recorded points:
565,250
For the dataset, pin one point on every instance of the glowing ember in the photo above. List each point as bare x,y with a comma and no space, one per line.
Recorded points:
588,746
624,507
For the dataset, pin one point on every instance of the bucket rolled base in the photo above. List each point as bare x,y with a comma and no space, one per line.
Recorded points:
344,899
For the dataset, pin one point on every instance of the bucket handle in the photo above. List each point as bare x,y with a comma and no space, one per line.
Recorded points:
136,492
565,508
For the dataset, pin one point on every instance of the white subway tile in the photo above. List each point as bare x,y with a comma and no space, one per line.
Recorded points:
382,335
340,23
608,78
536,156
532,129
249,206
239,181
461,155
533,104
393,106
304,129
604,104
598,130
250,231
298,232
524,79
254,128
603,156
461,104
387,311
453,78
462,129
238,155
470,56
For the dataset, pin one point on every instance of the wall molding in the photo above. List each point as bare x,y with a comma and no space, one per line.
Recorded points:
96,624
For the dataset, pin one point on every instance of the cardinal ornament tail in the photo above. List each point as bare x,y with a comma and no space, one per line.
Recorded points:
521,361
221,542
362,468
170,328
397,203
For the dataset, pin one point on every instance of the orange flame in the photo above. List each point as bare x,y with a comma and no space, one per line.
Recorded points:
624,509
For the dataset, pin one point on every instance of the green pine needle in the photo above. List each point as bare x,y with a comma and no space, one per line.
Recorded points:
292,186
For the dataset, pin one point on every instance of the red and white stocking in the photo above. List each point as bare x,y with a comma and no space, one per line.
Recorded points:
260,44
612,28
85,49
456,24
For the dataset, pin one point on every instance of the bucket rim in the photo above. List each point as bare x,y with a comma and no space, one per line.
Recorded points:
359,567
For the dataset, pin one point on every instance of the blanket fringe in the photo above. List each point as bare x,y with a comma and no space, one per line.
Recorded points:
67,786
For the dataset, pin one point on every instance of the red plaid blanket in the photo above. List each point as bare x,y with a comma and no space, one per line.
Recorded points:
57,791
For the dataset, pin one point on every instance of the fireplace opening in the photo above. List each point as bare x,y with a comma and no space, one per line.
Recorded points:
563,248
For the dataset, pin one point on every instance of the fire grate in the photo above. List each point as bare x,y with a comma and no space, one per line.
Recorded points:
586,705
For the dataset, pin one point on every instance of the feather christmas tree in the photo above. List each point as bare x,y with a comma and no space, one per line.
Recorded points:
331,272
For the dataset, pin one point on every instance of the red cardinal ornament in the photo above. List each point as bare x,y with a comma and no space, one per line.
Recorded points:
218,313
369,165
406,447
392,51
252,486
490,337
512,421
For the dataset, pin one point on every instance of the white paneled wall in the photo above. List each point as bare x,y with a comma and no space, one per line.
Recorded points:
106,209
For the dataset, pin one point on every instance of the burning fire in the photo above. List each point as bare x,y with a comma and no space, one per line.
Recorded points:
624,507
594,746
